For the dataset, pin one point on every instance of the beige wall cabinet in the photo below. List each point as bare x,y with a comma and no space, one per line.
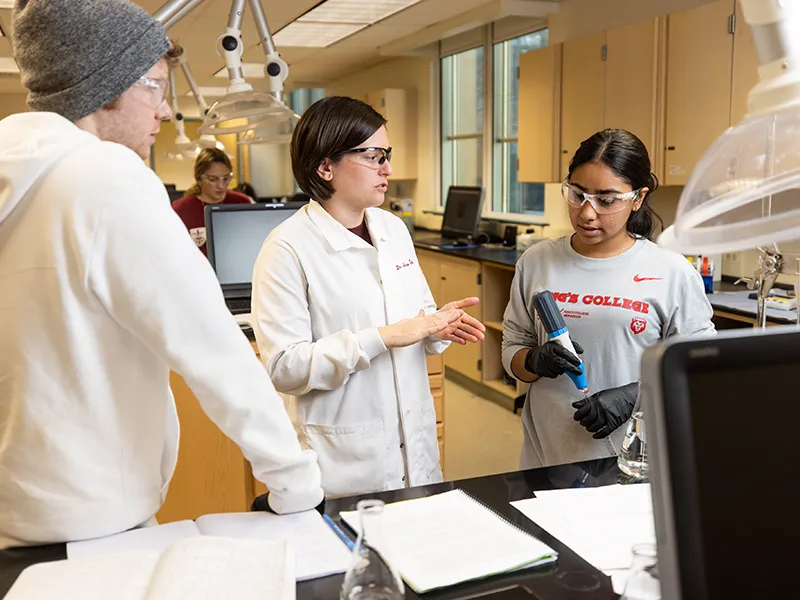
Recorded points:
582,94
700,57
631,87
398,106
538,98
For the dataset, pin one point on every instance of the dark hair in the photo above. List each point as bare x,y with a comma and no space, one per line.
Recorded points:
626,155
203,162
247,189
329,126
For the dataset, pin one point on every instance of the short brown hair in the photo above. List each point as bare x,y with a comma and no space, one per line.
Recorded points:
329,126
206,158
172,57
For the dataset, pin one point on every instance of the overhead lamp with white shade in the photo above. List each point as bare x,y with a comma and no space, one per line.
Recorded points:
206,140
745,191
181,148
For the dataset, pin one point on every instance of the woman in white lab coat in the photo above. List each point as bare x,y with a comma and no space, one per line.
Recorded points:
343,314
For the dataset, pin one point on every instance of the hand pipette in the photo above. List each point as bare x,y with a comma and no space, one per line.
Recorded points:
556,328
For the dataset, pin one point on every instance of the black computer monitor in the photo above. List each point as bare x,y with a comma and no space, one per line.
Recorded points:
722,436
234,236
462,212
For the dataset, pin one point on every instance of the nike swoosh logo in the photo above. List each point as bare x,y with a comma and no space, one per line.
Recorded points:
638,279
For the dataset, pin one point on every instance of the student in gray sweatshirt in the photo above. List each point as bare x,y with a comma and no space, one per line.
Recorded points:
619,293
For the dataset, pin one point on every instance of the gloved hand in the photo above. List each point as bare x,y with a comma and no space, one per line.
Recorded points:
552,360
604,411
261,504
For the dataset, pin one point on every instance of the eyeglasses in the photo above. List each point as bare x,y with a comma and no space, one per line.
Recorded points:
603,204
214,180
158,87
369,157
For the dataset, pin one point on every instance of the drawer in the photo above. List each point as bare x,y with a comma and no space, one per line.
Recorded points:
440,432
435,364
438,405
441,453
436,382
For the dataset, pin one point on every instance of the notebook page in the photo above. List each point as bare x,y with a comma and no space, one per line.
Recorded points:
145,538
620,516
449,538
122,576
210,568
318,552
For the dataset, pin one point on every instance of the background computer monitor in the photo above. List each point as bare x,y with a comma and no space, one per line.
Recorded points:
722,427
462,212
234,236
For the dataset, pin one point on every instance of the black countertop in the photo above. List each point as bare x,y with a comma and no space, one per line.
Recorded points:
569,578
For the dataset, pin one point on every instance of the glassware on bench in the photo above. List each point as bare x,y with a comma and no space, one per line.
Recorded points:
370,576
642,581
633,454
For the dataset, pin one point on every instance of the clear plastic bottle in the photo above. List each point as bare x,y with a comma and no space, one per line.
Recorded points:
370,577
642,582
633,454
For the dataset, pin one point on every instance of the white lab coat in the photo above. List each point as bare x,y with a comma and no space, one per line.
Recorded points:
320,293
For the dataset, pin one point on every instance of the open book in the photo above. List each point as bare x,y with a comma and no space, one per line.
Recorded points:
199,568
318,551
451,538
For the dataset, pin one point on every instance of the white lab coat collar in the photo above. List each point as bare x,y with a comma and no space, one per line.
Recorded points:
337,234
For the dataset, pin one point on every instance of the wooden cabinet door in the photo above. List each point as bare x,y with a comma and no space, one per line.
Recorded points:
582,94
745,69
699,58
461,279
631,80
430,264
538,131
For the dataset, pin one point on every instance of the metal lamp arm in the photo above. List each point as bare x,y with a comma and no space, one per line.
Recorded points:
177,116
173,11
198,95
276,68
230,46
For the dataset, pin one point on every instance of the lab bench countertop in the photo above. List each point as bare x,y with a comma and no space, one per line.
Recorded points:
495,491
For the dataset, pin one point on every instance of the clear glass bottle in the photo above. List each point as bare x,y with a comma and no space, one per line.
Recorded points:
370,577
633,454
642,582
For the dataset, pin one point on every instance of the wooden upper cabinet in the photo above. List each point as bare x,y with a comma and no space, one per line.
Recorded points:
538,125
700,59
745,69
398,106
632,81
582,94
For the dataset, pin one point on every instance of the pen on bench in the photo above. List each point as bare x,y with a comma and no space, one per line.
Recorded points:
338,531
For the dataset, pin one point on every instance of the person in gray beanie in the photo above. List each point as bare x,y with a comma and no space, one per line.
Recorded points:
103,293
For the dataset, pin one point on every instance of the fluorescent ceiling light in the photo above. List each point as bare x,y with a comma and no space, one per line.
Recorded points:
355,11
250,70
8,65
314,35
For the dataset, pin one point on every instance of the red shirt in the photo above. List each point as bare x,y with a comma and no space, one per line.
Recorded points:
362,232
190,210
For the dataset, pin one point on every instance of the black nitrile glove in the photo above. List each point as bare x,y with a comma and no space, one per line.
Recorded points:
604,411
552,360
261,504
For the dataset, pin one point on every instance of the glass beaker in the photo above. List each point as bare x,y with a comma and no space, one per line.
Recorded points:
633,454
642,582
370,576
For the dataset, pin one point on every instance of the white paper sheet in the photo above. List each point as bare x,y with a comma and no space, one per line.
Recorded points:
145,538
599,524
319,552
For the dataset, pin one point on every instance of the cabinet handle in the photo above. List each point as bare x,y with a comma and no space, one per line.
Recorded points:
670,147
565,152
444,278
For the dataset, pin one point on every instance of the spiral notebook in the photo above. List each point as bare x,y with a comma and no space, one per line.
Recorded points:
450,538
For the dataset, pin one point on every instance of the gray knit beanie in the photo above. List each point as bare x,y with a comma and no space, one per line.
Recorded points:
76,56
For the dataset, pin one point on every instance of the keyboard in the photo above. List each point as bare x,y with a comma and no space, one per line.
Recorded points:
238,305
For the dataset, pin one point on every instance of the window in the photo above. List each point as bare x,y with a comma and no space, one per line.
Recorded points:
508,194
299,100
462,119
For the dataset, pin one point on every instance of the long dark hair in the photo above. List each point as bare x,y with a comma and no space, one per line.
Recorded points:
626,155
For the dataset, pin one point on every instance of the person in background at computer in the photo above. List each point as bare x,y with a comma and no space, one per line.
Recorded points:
619,293
102,293
343,315
213,173
248,190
